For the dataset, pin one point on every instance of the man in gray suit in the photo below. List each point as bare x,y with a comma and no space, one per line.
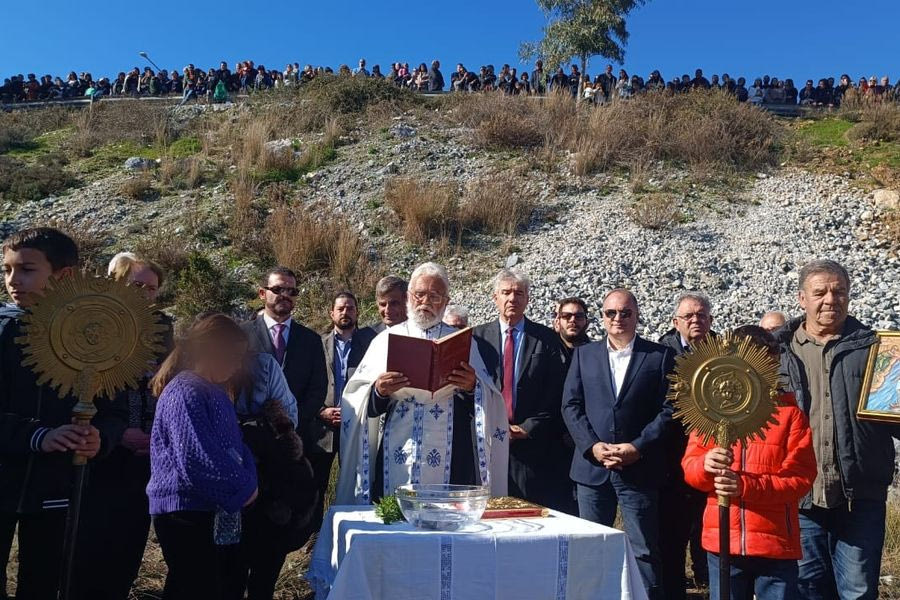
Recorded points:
390,297
344,347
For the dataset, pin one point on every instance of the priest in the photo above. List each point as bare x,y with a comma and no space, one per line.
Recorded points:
394,435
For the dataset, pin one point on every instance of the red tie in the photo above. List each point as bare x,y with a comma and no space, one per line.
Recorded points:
509,372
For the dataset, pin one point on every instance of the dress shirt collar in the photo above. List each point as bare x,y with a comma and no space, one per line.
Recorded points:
518,328
270,323
626,351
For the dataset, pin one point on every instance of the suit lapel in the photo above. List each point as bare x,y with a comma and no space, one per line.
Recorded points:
634,365
262,334
328,344
605,371
530,342
492,337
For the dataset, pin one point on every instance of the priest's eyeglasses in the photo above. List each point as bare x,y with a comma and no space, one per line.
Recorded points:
431,297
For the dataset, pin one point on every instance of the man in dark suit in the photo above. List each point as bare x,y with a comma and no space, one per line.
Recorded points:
390,297
525,360
344,346
614,404
691,323
571,323
297,348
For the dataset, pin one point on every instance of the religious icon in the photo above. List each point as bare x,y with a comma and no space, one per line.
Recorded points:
880,399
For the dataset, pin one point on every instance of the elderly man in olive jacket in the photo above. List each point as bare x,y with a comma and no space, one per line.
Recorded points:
824,355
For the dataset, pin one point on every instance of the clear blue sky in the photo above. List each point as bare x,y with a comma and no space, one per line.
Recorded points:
786,38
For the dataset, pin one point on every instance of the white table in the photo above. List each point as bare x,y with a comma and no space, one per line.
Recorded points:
357,557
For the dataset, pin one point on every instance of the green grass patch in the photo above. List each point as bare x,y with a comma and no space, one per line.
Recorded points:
113,155
46,143
185,147
825,132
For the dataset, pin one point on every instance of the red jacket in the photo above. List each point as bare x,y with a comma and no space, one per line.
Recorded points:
776,472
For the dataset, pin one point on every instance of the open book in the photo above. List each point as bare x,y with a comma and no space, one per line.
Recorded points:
428,363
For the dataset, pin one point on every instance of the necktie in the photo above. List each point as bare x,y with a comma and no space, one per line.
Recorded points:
278,341
509,372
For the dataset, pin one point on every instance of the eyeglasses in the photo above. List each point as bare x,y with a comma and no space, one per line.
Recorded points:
283,291
431,297
567,316
700,316
623,314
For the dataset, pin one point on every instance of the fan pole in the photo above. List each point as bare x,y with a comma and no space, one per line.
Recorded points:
82,413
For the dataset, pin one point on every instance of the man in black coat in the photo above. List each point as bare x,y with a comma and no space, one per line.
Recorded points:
297,348
615,407
435,77
842,521
525,360
691,322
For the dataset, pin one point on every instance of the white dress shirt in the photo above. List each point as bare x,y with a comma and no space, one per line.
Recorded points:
618,363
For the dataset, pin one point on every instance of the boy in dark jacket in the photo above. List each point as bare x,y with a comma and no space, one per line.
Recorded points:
37,437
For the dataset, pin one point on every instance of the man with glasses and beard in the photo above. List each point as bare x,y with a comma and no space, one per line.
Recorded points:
345,345
692,322
614,404
571,323
392,434
296,348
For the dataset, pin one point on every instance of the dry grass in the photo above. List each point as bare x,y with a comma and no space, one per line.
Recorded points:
706,131
875,122
658,210
137,187
144,123
432,210
182,173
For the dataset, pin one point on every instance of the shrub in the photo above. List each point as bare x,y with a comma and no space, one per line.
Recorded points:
203,286
182,174
246,224
426,210
18,128
655,211
497,204
124,120
184,147
877,123
23,181
137,187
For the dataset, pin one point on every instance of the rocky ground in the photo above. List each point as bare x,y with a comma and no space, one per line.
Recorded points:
743,244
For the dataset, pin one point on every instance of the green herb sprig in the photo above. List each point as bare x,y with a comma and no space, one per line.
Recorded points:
388,510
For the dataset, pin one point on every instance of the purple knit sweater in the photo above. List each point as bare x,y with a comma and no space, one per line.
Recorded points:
198,460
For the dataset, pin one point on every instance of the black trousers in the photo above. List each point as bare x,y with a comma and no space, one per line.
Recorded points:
115,523
197,567
256,572
40,552
321,465
681,514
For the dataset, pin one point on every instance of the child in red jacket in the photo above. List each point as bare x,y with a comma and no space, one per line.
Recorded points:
766,480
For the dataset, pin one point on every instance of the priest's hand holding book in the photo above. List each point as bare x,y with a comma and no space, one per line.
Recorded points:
462,377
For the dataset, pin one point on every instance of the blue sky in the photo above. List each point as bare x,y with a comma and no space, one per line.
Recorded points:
786,38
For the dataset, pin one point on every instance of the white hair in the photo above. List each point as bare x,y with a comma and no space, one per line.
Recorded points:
455,310
430,269
511,275
114,263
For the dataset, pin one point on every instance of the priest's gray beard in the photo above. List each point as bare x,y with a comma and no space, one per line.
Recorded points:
424,316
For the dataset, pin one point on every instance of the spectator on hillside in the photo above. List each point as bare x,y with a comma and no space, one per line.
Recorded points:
506,80
775,93
790,92
574,81
539,78
655,82
714,82
623,85
523,85
808,94
699,81
756,93
559,81
823,95
740,90
608,81
435,77
361,70
420,78
839,92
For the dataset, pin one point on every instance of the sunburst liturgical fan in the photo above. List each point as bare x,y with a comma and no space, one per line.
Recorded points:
725,388
92,337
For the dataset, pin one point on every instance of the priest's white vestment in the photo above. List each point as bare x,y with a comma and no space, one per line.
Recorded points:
416,433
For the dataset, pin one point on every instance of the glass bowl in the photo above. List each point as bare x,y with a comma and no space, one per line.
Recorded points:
442,507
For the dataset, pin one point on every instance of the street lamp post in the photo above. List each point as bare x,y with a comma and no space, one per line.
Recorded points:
147,58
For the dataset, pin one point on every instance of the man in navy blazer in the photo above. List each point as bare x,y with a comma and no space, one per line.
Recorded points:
614,404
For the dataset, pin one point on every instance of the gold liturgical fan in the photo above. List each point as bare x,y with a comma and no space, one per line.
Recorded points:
93,337
725,388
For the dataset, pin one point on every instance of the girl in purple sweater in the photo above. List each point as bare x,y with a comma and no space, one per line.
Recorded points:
201,473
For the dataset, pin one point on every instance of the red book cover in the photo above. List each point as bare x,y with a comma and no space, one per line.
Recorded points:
428,363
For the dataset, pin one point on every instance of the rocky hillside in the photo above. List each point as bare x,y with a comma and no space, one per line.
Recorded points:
655,227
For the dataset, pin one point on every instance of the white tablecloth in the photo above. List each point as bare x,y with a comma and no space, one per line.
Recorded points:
357,557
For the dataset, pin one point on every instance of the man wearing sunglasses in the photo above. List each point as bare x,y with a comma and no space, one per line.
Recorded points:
525,360
691,323
297,349
571,323
614,404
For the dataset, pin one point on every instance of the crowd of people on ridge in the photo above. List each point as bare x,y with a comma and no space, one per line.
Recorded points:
217,83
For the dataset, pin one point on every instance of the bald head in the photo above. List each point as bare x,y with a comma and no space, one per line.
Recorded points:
773,321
